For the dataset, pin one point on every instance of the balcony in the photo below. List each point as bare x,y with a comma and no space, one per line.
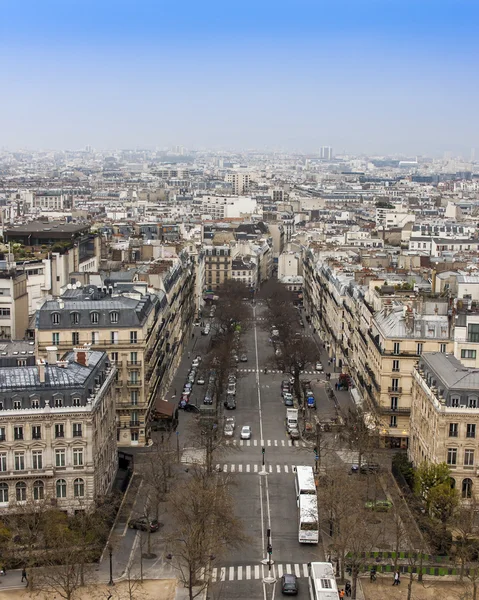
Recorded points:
117,363
395,390
136,363
135,424
400,410
134,383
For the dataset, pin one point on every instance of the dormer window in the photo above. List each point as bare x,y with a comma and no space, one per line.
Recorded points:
114,317
56,318
94,318
75,317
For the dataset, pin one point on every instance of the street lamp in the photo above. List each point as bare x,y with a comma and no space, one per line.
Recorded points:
110,552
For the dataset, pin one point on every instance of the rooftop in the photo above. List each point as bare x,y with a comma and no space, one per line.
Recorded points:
451,371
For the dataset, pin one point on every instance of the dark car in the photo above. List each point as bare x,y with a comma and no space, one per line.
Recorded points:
230,403
288,400
289,585
208,399
143,524
366,468
191,408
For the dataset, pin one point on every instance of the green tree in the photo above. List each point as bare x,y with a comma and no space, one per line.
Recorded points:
428,476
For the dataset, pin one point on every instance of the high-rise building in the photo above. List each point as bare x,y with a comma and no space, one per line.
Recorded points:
239,182
326,153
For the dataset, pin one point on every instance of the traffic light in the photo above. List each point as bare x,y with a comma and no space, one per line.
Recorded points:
270,549
263,450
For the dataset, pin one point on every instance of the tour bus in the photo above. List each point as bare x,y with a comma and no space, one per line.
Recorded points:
322,583
304,482
308,519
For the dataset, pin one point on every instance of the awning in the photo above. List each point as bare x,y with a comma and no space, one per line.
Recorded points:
163,407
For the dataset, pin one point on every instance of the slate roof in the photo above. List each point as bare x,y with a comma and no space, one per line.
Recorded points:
451,372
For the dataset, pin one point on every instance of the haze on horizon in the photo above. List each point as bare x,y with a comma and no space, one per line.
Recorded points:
364,76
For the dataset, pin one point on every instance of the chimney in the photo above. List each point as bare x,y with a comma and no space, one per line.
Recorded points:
41,370
51,355
82,355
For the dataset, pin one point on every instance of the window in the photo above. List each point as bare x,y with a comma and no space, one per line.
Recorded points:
114,317
452,456
442,348
472,402
3,461
455,402
468,354
396,348
2,434
134,358
59,430
55,339
56,318
395,365
75,318
134,377
468,457
61,488
473,332
393,421
77,457
18,433
467,488
60,457
17,404
471,430
114,357
3,492
35,403
419,348
37,459
133,337
95,318
4,313
395,385
36,432
76,402
19,461
79,488
134,436
453,429
77,430
394,403
58,402
38,490
114,337
75,338
95,338
21,491
134,395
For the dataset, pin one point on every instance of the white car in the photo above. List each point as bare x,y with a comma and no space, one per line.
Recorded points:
246,432
229,430
231,389
319,366
196,363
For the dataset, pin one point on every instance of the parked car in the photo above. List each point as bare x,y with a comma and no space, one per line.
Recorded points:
245,432
379,505
288,399
289,585
186,393
294,434
244,358
144,524
231,389
191,377
191,408
229,430
366,468
231,378
319,366
230,403
201,380
196,362
208,399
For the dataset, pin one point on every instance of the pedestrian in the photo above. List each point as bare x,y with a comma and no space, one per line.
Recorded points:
397,581
24,575
347,588
329,363
189,354
192,335
341,594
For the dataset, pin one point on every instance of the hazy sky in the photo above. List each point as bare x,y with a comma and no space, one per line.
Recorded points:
376,76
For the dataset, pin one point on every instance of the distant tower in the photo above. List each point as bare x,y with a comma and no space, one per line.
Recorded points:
326,153
473,155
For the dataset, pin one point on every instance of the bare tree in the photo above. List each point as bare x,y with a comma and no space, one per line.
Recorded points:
465,529
205,527
359,434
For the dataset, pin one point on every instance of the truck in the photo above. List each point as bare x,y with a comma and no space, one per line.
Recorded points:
291,419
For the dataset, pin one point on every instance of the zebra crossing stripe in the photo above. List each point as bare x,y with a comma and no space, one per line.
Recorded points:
248,442
283,443
223,574
232,573
247,468
225,468
290,443
214,573
256,571
269,442
288,570
278,469
240,573
275,442
297,571
262,442
305,570
233,468
255,442
280,570
255,468
270,468
240,468
248,572
286,470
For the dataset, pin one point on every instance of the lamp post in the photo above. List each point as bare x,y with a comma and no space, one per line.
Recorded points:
110,552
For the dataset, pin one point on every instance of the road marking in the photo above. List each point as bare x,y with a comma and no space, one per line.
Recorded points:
248,442
255,442
240,573
270,468
288,569
248,572
213,575
283,443
269,442
240,468
278,468
232,573
247,468
275,442
222,574
280,570
232,468
297,572
290,443
305,570
225,468
255,468
256,571
262,442
286,470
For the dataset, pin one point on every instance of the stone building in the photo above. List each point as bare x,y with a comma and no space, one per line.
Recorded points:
445,418
58,430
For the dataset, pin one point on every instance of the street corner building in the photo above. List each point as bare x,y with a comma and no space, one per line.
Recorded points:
58,430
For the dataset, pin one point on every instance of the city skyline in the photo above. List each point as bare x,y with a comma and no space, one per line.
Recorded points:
372,77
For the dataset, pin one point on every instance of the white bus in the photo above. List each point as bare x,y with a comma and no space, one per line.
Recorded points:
322,583
304,482
308,519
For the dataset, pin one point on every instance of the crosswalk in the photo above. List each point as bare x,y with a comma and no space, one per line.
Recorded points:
240,573
266,443
277,372
254,468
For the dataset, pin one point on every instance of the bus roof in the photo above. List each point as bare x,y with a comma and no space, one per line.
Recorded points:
323,580
305,477
308,508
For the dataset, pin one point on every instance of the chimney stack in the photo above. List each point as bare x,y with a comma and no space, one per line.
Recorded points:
51,355
41,370
82,355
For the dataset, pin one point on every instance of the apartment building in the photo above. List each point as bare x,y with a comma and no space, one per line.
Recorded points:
245,270
13,304
58,430
128,323
240,182
218,263
466,335
445,419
